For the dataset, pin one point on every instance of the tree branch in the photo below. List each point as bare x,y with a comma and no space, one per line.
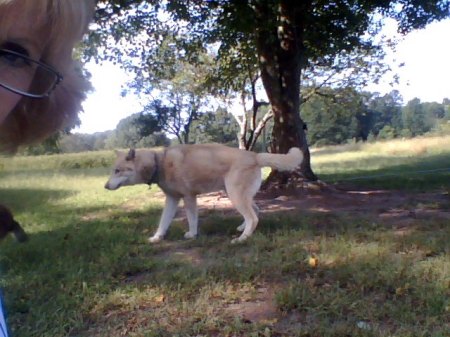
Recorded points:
261,125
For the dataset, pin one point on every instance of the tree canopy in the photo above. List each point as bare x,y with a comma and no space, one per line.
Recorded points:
277,38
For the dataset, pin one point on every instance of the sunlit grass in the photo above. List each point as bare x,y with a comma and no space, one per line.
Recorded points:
57,162
397,150
415,164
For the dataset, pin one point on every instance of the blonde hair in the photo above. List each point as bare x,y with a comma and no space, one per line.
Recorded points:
65,22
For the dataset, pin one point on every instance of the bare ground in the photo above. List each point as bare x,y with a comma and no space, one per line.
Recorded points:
381,204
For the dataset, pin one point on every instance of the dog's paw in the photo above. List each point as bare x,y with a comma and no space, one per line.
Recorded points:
240,239
155,239
241,227
189,235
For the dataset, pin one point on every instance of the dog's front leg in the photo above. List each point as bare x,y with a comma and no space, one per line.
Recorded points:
190,205
168,213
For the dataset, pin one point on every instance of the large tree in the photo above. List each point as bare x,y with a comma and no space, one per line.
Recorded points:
282,37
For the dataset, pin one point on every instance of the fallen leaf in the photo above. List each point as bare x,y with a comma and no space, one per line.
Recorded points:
313,262
159,298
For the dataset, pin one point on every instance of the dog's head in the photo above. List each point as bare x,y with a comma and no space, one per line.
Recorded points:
134,167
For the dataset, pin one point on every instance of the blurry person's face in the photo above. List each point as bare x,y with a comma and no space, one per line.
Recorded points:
8,101
20,38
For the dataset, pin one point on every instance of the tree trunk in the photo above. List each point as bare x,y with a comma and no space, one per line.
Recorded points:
280,52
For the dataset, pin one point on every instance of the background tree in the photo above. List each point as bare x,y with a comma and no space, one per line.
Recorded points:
287,36
48,146
446,104
434,110
215,127
415,120
387,113
132,133
175,89
333,117
76,143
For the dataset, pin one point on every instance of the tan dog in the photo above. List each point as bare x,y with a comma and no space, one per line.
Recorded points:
185,171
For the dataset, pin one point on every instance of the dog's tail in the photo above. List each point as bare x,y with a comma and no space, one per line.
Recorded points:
281,162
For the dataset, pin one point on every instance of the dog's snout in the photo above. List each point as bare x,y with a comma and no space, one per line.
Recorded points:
112,184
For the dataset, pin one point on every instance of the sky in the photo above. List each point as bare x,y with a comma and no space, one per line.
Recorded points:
425,75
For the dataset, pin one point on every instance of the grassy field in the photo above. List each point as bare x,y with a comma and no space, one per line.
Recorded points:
89,271
415,164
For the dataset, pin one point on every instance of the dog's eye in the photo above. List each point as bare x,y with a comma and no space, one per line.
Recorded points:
116,171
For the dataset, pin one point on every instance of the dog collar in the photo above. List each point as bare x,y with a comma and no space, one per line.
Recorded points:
154,178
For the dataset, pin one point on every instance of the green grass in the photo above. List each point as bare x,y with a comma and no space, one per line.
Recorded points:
57,162
417,164
89,271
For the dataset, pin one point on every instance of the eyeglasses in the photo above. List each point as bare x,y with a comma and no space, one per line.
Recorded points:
25,76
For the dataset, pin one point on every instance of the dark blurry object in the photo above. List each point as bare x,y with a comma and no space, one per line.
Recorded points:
8,224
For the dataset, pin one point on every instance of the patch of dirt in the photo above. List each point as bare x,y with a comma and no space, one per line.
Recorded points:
260,309
383,205
191,255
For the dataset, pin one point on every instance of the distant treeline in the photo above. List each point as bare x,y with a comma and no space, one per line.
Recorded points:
335,116
344,115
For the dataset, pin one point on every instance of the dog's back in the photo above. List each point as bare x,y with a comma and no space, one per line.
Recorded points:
201,168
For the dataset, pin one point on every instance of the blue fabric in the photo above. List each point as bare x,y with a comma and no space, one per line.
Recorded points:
3,328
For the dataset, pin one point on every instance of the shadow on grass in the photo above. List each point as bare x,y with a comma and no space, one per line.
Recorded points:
54,279
388,295
27,199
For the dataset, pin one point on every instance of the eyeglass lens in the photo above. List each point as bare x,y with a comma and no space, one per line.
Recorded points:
23,75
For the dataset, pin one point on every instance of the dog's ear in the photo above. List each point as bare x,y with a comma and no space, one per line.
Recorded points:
131,155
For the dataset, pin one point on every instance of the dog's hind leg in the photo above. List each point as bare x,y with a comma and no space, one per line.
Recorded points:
190,205
168,213
250,219
241,188
242,227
